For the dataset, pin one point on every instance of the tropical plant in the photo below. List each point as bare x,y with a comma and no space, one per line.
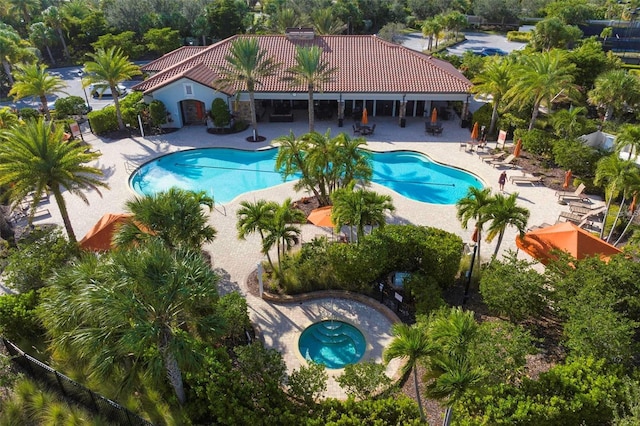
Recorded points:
569,123
431,29
630,187
12,50
8,118
57,21
615,90
174,216
411,343
494,80
474,207
137,311
539,79
325,22
629,136
246,65
110,66
364,379
308,383
35,159
611,172
503,212
281,232
256,217
310,72
34,80
41,35
359,208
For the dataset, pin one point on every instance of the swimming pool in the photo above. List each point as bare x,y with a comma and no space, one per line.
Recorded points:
332,343
226,173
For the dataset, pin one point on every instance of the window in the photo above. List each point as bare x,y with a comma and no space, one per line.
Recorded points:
188,89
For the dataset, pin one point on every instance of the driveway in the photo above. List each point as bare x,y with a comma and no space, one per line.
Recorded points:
473,40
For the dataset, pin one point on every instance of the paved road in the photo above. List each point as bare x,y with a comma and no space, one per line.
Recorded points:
417,42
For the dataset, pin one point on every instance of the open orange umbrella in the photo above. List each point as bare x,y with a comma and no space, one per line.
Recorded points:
365,116
474,132
100,235
518,148
321,217
567,179
434,116
567,237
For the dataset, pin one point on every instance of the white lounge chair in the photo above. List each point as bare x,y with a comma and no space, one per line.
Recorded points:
525,179
507,162
578,194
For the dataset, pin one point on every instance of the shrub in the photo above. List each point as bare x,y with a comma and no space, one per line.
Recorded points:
220,113
425,291
71,105
483,116
29,114
519,36
104,120
535,141
18,319
364,379
572,154
157,113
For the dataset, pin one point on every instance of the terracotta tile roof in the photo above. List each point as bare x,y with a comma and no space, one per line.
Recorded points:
172,58
365,64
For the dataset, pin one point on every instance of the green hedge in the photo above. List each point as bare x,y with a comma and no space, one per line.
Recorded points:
519,36
104,120
536,141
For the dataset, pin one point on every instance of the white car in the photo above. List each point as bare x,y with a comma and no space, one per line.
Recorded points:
103,89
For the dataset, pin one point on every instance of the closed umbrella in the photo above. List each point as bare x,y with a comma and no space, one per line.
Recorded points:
567,179
632,207
518,148
434,116
365,116
474,132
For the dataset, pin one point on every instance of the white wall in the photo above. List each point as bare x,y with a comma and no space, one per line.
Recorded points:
172,94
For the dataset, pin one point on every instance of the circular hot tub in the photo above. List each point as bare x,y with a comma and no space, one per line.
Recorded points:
332,343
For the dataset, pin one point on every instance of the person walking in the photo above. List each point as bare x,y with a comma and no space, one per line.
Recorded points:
502,180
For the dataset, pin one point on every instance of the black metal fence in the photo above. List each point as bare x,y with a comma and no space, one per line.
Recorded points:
73,390
394,300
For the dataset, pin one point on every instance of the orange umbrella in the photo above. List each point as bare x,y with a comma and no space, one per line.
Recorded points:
365,116
99,237
321,217
518,148
434,116
474,132
567,237
567,179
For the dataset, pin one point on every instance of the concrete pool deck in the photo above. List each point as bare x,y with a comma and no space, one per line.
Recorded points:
281,324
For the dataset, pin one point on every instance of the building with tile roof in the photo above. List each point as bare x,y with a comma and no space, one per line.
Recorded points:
385,78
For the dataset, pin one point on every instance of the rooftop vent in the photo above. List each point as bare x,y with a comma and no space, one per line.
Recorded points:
299,33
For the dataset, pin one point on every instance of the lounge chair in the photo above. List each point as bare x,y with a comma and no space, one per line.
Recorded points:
485,156
580,218
566,196
579,208
507,162
525,179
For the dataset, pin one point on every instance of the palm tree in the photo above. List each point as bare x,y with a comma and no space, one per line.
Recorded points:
611,172
569,123
474,207
254,217
41,35
34,80
56,20
137,310
34,158
431,29
283,18
281,232
494,80
502,212
110,66
13,50
8,118
629,136
614,90
325,22
359,208
630,186
540,78
451,332
24,8
411,343
353,162
247,64
174,216
311,72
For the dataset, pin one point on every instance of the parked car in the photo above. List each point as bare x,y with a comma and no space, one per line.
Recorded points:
488,51
103,89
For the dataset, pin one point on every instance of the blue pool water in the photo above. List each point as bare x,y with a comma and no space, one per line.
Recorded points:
227,173
332,343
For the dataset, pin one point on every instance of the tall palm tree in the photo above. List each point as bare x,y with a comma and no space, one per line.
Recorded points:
24,8
246,65
256,217
474,207
281,230
139,310
291,161
505,211
325,22
34,80
359,208
56,20
411,343
41,35
283,18
613,90
174,216
353,162
630,186
539,79
311,72
451,332
629,135
13,50
494,80
610,173
110,66
34,158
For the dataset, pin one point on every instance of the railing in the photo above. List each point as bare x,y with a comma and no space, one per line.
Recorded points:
73,390
394,301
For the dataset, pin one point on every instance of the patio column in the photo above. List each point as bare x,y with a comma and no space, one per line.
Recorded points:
340,111
403,111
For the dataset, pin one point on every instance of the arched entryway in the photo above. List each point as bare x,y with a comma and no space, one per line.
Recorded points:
193,112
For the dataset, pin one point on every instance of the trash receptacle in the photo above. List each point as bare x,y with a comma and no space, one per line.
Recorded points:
403,122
